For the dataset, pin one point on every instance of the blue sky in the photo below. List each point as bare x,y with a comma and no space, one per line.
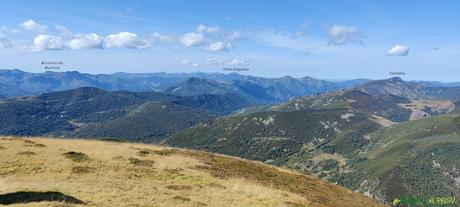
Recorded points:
334,39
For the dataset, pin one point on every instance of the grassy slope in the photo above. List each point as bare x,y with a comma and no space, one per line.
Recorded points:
128,174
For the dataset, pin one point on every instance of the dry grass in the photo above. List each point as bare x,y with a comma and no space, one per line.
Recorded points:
444,106
129,174
382,121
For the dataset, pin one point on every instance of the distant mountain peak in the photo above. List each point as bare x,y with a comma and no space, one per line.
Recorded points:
396,79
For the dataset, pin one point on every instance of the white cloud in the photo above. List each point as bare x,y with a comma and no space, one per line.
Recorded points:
195,65
9,30
205,29
126,40
236,35
88,41
219,46
239,61
63,31
192,39
299,34
33,26
158,37
48,42
4,42
343,34
398,50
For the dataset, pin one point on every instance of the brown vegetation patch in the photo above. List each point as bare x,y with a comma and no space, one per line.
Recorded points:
28,153
39,145
215,185
82,170
178,187
181,198
138,162
292,204
76,156
175,171
28,141
164,152
118,158
200,204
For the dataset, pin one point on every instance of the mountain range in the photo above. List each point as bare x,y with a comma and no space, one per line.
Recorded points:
385,138
15,83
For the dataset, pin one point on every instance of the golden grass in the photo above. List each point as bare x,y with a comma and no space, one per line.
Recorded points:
130,174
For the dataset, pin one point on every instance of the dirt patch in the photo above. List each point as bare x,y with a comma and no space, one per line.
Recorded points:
2,148
28,153
138,162
82,170
76,156
178,187
28,197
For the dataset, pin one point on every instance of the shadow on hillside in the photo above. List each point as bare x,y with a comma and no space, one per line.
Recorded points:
27,197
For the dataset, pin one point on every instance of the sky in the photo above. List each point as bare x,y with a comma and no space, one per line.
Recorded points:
327,39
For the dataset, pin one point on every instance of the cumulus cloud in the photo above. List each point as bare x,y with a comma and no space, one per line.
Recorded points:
398,50
88,41
219,46
67,40
63,31
4,42
125,40
33,26
192,39
205,29
48,42
343,34
212,39
236,61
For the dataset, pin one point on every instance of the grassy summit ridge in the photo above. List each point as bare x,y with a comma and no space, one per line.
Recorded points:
99,173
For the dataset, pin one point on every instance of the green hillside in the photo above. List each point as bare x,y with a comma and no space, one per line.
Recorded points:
147,122
417,158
